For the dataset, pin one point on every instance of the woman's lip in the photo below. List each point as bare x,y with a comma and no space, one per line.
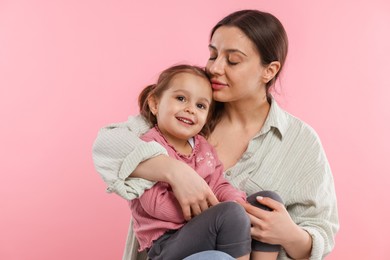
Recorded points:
217,85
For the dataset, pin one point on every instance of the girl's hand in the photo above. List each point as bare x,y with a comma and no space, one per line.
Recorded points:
192,192
277,227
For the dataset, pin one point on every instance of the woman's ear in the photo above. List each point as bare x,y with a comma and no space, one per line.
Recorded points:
153,104
270,71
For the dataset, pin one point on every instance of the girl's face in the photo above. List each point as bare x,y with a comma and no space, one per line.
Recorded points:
234,66
182,109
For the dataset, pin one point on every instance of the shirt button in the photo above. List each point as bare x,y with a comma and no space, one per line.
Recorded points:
228,173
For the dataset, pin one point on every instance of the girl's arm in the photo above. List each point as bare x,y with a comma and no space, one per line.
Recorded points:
160,203
221,187
192,192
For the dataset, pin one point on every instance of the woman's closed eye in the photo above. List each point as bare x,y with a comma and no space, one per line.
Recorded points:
212,57
232,62
233,59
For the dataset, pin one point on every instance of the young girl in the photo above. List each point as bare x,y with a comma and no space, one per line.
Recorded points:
178,107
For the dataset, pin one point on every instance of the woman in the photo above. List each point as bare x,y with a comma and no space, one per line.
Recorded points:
261,146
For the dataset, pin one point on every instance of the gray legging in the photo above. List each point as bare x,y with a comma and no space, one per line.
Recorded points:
224,227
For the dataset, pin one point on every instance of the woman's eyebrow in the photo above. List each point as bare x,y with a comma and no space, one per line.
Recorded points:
228,50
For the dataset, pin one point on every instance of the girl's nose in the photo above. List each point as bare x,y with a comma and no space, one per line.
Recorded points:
190,109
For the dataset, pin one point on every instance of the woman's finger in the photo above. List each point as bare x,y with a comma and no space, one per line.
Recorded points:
255,211
256,227
270,203
255,221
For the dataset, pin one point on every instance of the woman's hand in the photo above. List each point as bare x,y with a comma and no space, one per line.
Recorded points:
277,227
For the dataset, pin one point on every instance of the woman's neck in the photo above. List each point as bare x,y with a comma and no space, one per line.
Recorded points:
240,121
247,114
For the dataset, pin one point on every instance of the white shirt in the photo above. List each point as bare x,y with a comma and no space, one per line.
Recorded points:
286,156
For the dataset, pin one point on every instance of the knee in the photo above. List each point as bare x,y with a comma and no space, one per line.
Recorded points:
266,194
270,194
234,213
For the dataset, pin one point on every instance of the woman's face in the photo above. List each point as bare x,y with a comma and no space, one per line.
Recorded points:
234,66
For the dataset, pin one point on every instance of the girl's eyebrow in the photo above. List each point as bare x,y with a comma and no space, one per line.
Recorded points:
228,50
181,90
205,100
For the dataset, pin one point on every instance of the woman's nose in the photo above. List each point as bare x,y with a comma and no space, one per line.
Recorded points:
216,67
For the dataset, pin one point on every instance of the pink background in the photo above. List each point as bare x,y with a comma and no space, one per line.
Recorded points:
69,67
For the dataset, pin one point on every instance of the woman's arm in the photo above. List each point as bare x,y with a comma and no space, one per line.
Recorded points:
309,226
129,166
118,150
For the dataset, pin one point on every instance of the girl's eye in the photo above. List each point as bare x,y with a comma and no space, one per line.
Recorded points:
181,98
201,106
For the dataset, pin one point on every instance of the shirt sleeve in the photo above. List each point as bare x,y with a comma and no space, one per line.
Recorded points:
160,203
315,205
116,153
